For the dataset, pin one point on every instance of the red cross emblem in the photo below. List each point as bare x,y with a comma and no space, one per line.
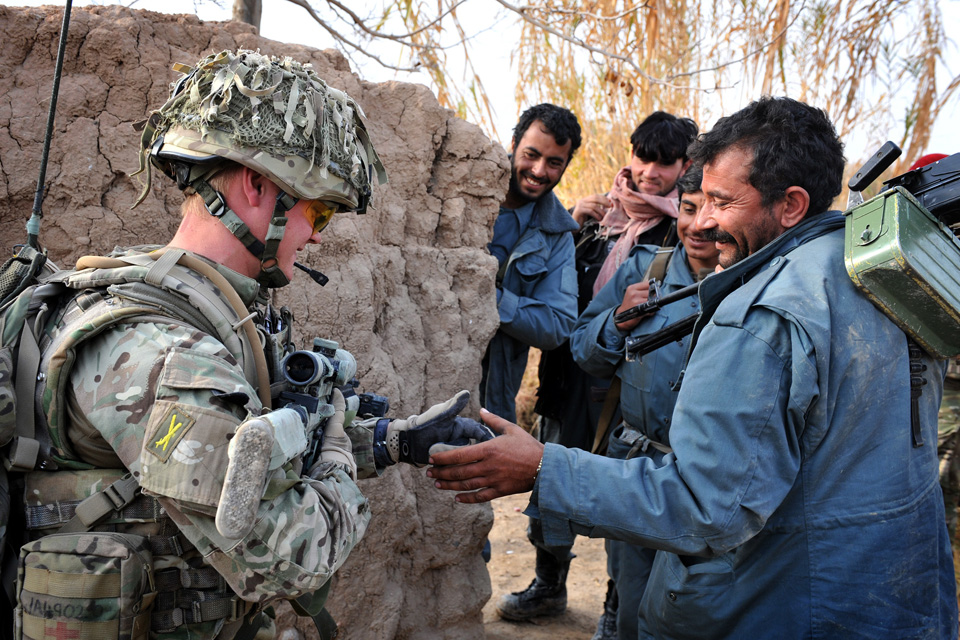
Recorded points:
61,632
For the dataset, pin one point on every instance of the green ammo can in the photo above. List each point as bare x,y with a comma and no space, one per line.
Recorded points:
908,264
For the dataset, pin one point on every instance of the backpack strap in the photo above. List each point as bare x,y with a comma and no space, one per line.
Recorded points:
166,259
25,448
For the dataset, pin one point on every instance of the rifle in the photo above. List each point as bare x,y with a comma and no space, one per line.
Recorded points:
313,375
655,301
265,443
638,346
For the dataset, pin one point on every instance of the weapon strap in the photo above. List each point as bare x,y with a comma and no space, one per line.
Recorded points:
312,606
606,417
657,269
916,389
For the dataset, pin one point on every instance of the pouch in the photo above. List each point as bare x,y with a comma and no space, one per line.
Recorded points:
85,585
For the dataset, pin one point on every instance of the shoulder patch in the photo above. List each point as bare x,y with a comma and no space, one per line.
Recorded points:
169,432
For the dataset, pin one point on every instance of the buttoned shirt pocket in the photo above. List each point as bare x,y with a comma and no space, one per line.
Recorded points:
530,263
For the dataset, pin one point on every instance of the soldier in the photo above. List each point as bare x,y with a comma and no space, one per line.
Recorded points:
162,364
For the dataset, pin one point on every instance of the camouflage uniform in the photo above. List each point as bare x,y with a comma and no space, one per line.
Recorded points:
948,443
162,399
147,371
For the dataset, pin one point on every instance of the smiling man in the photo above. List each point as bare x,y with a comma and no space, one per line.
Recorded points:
536,281
801,498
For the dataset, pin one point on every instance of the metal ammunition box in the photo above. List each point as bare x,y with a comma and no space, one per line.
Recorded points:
908,264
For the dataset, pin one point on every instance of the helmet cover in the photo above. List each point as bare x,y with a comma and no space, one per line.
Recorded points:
273,115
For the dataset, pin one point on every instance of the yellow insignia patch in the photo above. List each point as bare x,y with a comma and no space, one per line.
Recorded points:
169,432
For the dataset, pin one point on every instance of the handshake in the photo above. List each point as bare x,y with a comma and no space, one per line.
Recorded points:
411,440
263,444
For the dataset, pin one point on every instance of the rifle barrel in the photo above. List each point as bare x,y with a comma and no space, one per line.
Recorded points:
653,305
640,346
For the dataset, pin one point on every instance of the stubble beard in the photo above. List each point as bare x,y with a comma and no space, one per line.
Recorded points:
517,191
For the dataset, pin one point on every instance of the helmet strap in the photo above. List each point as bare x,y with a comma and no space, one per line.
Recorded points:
271,275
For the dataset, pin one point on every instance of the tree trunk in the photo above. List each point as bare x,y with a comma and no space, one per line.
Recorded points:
247,11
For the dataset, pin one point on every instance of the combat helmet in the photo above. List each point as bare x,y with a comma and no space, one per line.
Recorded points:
275,116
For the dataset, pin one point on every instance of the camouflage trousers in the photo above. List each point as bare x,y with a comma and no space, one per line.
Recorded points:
948,450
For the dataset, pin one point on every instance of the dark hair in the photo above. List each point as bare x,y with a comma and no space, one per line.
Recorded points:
793,144
690,181
560,122
663,137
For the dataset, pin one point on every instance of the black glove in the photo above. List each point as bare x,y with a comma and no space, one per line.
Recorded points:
439,428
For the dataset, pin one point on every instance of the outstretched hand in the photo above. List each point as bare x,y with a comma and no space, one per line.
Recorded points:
499,467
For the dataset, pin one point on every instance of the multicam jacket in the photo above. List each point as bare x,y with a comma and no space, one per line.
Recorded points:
161,398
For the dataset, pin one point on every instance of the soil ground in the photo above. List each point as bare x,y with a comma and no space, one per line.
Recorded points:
512,558
511,569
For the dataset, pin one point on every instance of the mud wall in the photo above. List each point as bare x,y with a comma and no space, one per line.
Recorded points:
411,290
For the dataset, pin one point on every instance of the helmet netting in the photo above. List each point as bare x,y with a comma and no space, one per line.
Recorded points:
276,105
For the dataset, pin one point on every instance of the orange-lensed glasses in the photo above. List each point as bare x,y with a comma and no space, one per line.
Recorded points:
319,213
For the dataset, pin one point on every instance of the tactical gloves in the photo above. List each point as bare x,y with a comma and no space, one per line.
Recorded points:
336,445
439,428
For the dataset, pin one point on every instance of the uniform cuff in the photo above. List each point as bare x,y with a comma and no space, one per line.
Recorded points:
509,302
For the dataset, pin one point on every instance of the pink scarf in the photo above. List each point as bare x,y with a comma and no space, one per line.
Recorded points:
632,213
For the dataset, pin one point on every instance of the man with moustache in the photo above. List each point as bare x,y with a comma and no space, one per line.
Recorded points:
647,393
536,281
640,208
801,498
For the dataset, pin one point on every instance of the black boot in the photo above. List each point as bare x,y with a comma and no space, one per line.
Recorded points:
546,595
607,625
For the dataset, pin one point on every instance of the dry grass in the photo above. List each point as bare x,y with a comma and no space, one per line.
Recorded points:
674,54
527,396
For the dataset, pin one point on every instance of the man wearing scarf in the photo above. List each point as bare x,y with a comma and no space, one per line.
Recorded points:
640,208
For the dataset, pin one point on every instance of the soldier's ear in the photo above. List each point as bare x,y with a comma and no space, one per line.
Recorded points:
254,188
793,206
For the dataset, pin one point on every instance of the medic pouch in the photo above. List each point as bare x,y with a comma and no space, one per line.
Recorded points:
85,585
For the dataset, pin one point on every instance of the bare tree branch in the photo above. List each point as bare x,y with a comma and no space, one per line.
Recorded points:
523,13
585,14
747,55
403,39
341,38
